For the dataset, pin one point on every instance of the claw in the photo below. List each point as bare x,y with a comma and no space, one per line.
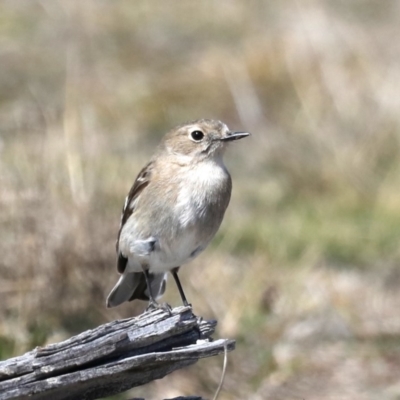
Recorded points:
153,305
166,307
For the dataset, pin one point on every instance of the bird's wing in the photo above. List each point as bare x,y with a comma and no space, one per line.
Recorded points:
141,182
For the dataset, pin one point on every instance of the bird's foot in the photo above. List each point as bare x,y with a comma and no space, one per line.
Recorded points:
153,305
166,307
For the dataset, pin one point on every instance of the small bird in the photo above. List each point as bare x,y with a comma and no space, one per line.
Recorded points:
173,210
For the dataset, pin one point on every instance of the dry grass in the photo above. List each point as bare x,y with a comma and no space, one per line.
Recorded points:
305,270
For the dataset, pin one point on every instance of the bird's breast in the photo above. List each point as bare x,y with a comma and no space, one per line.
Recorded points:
203,195
187,217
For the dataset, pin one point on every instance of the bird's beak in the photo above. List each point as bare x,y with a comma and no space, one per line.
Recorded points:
234,136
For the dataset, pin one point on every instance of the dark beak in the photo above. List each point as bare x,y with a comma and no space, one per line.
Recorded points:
234,136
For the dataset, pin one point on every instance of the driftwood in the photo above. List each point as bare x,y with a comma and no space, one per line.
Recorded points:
111,358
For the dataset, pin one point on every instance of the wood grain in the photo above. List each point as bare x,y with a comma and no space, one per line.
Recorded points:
111,358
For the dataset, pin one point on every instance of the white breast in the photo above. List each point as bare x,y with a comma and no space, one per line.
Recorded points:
197,185
200,182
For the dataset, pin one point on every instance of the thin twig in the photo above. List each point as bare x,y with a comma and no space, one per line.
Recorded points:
221,382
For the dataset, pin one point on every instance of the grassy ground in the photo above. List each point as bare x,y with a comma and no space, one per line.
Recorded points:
305,270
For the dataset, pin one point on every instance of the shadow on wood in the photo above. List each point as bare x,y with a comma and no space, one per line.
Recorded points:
111,358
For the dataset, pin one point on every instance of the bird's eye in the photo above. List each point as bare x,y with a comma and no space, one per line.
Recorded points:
197,135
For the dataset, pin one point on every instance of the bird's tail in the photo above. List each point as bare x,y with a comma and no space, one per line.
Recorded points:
132,285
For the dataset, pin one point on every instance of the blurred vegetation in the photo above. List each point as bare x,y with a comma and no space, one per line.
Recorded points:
304,272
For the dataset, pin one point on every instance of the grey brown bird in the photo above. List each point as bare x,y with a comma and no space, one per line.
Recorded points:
173,210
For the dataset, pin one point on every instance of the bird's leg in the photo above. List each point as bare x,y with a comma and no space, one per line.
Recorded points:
152,302
178,283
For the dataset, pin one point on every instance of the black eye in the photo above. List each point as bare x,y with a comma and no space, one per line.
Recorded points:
197,135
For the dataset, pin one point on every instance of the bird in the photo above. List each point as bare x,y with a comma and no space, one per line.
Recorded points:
173,210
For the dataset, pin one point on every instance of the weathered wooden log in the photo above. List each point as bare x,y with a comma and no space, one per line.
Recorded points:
111,358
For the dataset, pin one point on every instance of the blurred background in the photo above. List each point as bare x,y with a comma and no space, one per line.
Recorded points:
305,270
